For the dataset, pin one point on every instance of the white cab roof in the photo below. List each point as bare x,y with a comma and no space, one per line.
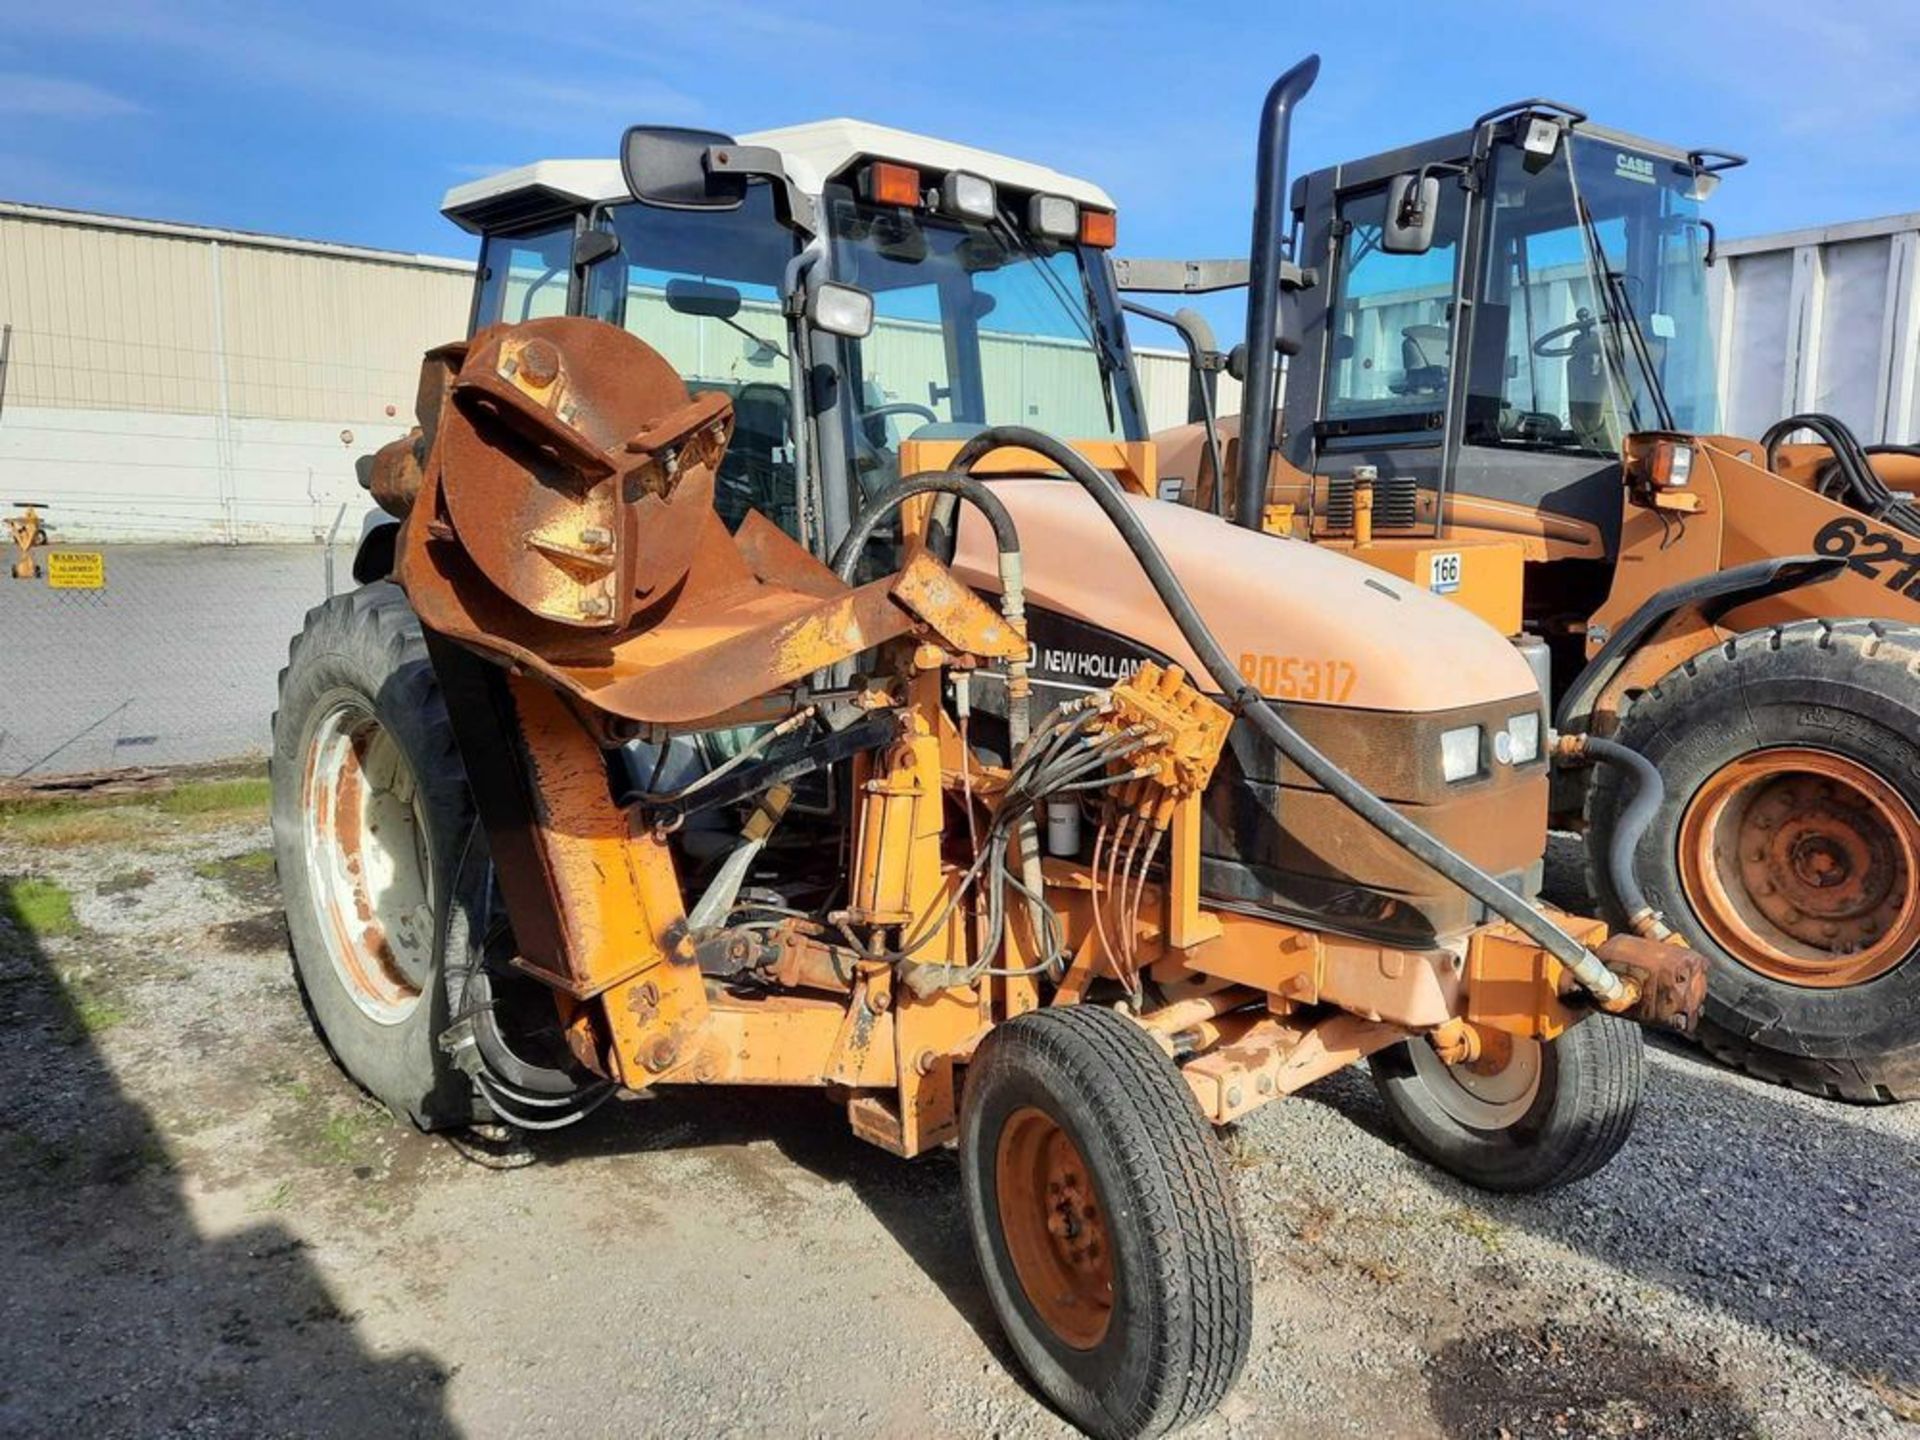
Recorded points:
813,154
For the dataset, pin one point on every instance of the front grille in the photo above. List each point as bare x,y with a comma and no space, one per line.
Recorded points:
1396,503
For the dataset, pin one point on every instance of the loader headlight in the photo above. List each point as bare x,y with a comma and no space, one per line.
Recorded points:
1523,738
1460,753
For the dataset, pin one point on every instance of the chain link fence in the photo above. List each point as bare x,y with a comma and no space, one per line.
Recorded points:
174,661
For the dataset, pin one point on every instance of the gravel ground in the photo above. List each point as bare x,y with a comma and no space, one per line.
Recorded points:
213,1234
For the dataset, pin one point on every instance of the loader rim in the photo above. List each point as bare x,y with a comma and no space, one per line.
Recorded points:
1054,1222
368,866
1800,863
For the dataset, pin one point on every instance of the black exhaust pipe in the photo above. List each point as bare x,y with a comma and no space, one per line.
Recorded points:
1263,290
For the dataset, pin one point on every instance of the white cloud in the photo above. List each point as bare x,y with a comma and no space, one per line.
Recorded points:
49,96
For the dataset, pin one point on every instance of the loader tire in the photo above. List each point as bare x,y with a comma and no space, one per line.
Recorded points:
1531,1115
1104,1222
1788,848
371,821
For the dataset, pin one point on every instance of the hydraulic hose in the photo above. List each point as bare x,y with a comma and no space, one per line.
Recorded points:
1013,609
1006,537
1242,698
1649,792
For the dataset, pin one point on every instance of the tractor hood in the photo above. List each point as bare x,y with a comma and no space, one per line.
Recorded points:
1304,623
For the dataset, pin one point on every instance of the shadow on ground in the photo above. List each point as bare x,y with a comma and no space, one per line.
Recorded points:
126,1320
1822,1256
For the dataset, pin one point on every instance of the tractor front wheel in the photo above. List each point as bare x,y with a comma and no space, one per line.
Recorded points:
1104,1221
1526,1114
1788,848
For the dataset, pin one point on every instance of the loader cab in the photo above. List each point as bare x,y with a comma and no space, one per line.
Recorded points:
1492,313
991,297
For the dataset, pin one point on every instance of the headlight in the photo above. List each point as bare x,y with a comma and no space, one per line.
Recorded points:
1460,753
1523,732
970,197
1054,216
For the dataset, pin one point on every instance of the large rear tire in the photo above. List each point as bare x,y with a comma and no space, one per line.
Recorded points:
1530,1115
375,842
1104,1221
1788,848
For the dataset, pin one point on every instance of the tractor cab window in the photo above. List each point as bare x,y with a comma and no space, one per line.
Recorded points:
1392,324
1593,312
975,325
524,277
702,287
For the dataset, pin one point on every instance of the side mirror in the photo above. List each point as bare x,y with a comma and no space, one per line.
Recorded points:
1343,346
1413,205
666,165
844,310
702,297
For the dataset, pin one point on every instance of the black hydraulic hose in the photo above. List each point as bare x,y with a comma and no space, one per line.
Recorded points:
846,559
1245,700
1649,792
1871,495
1013,608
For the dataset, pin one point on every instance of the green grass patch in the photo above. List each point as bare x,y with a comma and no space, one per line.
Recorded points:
216,797
37,908
346,1136
1484,1228
90,819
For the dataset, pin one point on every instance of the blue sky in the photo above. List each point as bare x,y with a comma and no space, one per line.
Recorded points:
347,121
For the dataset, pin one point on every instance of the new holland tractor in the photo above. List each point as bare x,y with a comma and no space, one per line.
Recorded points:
778,672
1501,387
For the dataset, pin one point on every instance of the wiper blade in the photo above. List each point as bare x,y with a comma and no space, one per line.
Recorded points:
1623,321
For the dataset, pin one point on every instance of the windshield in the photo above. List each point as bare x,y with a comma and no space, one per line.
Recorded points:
1593,319
703,288
973,326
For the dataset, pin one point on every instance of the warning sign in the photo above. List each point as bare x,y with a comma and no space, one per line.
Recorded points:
76,570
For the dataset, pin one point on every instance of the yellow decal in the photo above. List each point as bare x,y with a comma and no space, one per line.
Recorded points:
1288,677
76,570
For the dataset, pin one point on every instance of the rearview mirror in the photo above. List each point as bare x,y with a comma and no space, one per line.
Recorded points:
844,310
666,165
702,297
1413,204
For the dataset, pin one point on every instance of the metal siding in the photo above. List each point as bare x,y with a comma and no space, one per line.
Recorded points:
1824,320
104,320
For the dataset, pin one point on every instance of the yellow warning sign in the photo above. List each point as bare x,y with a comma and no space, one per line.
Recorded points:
76,570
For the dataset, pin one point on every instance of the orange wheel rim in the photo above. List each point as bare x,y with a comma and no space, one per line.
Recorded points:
1055,1227
1801,864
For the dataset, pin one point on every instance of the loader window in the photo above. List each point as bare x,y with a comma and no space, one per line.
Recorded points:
1392,322
1593,309
675,275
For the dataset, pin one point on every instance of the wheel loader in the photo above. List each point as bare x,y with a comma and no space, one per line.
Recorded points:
1501,386
780,672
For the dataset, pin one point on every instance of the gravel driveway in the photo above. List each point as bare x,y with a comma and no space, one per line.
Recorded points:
213,1234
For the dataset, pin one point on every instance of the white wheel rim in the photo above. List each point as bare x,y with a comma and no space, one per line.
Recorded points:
1481,1099
368,867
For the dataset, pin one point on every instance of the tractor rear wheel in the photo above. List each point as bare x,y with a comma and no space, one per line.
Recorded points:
1788,848
1105,1222
1527,1114
375,844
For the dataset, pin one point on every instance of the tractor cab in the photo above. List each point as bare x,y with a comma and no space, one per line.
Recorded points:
853,290
1495,312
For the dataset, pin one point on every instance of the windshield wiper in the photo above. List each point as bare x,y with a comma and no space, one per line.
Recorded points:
1622,320
1104,353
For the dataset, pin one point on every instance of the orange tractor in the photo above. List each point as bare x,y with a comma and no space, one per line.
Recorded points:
727,706
1502,388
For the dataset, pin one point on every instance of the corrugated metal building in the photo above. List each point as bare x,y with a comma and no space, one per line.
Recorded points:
172,382
1825,319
